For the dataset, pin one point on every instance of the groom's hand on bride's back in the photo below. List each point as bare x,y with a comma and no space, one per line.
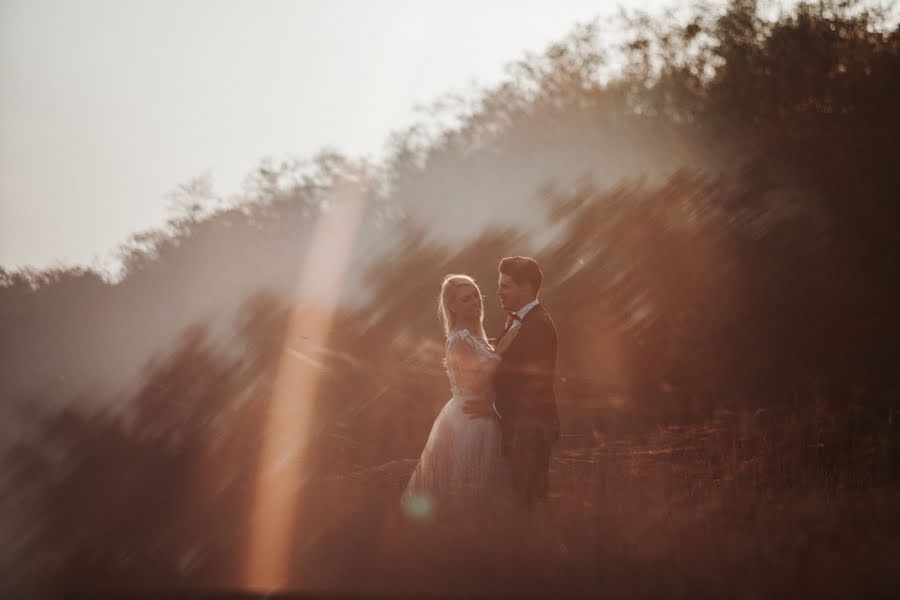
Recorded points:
477,409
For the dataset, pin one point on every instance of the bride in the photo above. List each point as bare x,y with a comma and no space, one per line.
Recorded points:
462,455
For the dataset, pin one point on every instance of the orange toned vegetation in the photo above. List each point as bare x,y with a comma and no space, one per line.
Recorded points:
717,227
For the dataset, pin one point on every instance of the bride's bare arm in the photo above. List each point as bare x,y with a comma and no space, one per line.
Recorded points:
473,373
506,340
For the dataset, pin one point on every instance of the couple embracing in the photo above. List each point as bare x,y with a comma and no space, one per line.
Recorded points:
493,437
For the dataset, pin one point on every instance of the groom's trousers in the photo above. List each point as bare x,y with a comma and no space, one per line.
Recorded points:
529,457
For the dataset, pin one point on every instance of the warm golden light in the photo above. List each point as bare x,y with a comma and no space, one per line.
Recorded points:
273,517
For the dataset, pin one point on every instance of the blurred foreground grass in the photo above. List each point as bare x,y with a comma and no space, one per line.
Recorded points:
791,503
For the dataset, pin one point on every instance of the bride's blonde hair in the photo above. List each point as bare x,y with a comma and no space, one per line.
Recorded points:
449,287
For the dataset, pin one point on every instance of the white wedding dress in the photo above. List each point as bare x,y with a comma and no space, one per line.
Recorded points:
462,455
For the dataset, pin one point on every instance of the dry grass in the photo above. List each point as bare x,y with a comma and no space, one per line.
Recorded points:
750,505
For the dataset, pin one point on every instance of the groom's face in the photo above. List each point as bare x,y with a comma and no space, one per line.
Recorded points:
513,296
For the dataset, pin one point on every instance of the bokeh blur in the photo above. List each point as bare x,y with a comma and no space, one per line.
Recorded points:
717,222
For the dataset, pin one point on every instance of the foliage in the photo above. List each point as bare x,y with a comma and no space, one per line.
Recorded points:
716,223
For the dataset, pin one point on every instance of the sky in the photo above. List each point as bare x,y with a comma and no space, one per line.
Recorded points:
106,106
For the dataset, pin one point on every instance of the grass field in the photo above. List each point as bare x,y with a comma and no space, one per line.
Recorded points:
768,503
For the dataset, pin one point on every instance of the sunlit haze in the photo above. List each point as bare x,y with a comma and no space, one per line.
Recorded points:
107,106
233,362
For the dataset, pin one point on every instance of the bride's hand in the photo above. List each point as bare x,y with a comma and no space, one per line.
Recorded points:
476,409
506,340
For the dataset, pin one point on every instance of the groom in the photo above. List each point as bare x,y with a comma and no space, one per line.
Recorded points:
525,401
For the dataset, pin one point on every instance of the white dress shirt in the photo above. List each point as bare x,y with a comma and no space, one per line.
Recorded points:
522,312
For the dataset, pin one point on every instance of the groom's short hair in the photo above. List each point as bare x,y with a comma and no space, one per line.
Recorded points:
522,269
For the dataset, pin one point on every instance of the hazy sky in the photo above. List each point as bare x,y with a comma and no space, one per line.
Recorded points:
108,105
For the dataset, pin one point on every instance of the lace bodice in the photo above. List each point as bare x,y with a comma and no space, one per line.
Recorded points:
461,458
470,362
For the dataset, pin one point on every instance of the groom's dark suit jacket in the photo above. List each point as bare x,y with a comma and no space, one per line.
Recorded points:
523,383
